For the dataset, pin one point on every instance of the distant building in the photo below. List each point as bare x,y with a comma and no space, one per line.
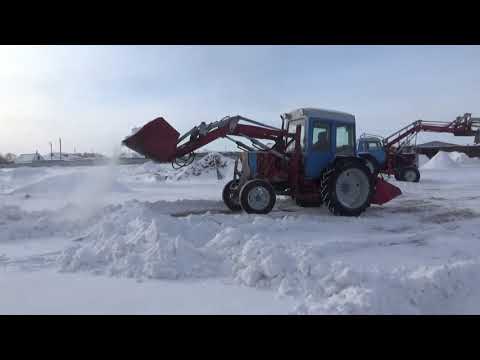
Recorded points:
28,158
435,144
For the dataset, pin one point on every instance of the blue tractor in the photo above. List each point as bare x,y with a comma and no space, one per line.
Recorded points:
380,159
370,147
393,155
312,159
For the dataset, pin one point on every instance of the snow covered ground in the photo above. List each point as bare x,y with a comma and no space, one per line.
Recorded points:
147,239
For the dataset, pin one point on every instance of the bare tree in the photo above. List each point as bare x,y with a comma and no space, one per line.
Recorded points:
10,157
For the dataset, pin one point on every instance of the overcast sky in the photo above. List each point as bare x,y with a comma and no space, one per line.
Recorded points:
92,96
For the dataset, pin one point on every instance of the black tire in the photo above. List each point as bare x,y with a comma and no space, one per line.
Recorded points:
265,204
231,195
363,180
396,173
410,174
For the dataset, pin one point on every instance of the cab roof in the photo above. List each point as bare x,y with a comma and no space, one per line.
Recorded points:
320,113
371,139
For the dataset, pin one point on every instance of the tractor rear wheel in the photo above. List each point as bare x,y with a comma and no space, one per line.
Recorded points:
347,188
397,175
230,195
257,197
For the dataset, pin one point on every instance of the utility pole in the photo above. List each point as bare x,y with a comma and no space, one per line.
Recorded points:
60,141
51,151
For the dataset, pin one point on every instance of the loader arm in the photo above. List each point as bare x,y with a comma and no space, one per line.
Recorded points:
161,142
462,126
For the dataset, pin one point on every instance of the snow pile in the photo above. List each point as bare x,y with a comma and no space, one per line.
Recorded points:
462,158
447,160
17,224
211,166
141,240
135,241
425,290
325,287
422,160
441,160
458,156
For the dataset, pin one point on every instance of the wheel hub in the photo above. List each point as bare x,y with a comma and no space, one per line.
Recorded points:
352,188
410,175
258,198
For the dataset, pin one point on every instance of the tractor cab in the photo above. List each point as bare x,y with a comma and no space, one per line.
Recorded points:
371,148
325,134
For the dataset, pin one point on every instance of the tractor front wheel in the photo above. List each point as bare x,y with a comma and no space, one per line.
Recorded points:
347,188
410,174
230,196
257,197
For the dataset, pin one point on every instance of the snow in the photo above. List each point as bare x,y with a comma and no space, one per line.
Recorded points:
422,160
441,160
75,294
151,239
212,166
463,158
447,160
66,184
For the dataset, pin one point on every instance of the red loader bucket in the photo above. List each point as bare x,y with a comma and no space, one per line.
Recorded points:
157,140
385,192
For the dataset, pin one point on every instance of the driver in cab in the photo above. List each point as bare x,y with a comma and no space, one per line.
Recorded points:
322,143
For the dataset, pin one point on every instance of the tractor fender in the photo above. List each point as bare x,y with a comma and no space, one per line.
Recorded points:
372,159
339,160
367,156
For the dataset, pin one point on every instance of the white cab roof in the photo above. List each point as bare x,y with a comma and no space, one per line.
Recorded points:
322,114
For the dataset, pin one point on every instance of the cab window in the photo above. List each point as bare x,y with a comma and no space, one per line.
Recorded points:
320,136
292,127
373,145
345,139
